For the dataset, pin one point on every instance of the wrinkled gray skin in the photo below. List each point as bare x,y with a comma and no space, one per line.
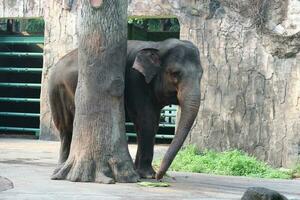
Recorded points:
260,193
157,74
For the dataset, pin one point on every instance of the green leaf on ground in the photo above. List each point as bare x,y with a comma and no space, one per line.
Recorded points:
154,184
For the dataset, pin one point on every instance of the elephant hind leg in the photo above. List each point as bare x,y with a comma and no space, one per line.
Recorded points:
62,109
64,151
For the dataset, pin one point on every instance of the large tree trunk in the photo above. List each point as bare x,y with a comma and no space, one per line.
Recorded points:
99,151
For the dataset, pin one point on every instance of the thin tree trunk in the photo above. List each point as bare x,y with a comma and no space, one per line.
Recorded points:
99,151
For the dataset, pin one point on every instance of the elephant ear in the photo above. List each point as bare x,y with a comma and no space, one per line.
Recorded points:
147,62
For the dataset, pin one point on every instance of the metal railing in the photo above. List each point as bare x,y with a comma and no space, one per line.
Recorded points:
21,85
26,40
20,70
21,54
167,116
36,131
19,100
10,42
18,114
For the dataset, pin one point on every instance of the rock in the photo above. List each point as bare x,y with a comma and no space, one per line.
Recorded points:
5,184
260,193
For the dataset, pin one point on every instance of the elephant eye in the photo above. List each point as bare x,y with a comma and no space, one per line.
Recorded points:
175,74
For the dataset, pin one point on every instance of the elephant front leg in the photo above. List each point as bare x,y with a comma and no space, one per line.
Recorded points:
146,139
144,155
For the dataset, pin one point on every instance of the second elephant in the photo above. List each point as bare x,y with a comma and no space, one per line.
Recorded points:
157,74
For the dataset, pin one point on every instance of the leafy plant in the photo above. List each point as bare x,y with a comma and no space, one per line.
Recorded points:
234,162
35,25
155,24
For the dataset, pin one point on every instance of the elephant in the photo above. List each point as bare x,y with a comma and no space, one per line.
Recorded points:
157,74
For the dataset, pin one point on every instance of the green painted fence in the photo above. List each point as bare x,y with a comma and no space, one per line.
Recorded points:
20,83
15,71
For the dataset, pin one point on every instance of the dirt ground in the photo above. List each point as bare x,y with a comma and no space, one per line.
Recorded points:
26,165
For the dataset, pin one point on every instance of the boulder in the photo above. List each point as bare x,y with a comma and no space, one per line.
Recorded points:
260,193
5,184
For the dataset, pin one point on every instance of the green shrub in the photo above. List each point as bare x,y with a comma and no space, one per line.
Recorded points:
234,162
35,25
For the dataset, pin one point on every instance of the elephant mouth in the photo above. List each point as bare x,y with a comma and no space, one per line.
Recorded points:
168,99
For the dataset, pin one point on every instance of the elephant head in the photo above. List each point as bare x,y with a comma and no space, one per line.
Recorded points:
174,70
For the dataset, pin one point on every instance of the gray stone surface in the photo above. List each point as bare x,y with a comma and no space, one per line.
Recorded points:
29,164
250,86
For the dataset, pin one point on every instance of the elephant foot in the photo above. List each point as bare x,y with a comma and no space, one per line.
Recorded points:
147,173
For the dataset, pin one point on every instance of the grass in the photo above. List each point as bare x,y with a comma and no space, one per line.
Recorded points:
234,163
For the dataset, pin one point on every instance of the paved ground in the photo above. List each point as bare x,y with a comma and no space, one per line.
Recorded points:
29,163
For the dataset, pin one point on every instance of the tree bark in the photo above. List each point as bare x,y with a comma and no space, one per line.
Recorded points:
99,151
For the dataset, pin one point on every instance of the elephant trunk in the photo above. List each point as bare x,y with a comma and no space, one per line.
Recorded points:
189,102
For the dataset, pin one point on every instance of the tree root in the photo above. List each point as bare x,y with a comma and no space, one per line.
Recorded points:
87,170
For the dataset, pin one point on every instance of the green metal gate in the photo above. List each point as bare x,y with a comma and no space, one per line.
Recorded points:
21,61
166,125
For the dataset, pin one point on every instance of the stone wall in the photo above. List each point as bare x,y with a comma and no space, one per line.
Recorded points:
21,8
250,55
250,87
